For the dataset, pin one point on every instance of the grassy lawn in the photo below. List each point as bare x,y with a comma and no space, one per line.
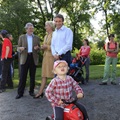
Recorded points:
96,72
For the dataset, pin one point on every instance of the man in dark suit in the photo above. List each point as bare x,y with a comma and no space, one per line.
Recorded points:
28,46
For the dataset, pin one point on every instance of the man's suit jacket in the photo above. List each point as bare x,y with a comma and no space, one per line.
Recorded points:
23,43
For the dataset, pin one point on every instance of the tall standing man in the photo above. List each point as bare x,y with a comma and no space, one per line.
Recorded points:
62,40
28,46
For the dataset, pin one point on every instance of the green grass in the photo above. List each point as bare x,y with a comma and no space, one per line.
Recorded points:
96,72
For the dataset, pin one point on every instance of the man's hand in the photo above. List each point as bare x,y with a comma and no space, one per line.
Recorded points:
56,57
36,47
21,48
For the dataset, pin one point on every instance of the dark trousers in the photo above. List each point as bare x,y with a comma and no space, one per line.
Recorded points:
29,65
58,112
9,79
87,63
5,72
67,57
0,69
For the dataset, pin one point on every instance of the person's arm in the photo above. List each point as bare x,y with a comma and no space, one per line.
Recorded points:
20,48
50,93
7,52
37,47
47,46
117,49
69,42
77,89
107,48
53,46
54,52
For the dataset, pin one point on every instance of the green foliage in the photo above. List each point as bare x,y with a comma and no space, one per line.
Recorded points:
14,15
97,56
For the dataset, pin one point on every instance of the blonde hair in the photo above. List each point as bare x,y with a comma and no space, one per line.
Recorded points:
51,23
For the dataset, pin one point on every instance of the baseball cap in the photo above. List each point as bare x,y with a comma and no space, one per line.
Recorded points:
4,32
57,62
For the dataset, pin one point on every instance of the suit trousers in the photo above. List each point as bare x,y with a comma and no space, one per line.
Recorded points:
67,57
29,65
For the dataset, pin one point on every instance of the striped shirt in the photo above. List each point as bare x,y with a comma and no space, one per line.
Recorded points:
62,89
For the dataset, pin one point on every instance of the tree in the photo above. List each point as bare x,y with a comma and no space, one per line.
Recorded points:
111,10
78,18
14,15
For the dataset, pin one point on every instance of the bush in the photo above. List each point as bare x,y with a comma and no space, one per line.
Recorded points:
97,56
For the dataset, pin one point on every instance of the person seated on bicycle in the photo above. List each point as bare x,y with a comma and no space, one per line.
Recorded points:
61,88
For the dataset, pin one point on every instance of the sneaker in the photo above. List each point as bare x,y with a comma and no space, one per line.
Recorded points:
103,83
113,83
49,118
2,90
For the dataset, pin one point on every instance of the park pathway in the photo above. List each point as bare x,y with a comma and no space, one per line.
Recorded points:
102,103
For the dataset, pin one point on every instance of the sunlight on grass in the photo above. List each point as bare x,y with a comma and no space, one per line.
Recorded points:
96,72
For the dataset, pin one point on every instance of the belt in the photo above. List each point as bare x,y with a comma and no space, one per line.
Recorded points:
30,53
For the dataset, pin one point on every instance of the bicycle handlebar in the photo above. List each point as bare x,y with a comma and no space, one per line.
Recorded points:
70,102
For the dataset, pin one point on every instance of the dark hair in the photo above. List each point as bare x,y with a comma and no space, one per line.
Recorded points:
111,35
59,16
87,41
4,33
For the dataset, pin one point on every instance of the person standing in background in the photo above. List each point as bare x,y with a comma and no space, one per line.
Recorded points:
6,59
85,53
48,59
28,46
10,75
0,59
62,40
112,49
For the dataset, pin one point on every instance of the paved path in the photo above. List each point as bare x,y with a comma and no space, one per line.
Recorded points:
102,103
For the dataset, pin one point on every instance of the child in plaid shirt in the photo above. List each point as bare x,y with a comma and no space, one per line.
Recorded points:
61,87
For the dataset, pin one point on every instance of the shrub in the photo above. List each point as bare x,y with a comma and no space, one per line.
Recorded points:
97,56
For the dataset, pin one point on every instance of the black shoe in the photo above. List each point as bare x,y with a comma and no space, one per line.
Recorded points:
2,90
9,87
103,83
32,94
38,96
18,96
49,118
113,83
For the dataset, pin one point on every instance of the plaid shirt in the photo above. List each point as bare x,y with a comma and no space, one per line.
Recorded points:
61,89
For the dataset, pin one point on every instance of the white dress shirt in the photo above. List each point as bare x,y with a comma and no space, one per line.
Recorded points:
62,40
30,42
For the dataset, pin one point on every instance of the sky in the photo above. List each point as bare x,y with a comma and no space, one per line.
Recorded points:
96,20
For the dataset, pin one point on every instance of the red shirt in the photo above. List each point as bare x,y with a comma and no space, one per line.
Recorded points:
6,42
111,54
62,89
85,51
